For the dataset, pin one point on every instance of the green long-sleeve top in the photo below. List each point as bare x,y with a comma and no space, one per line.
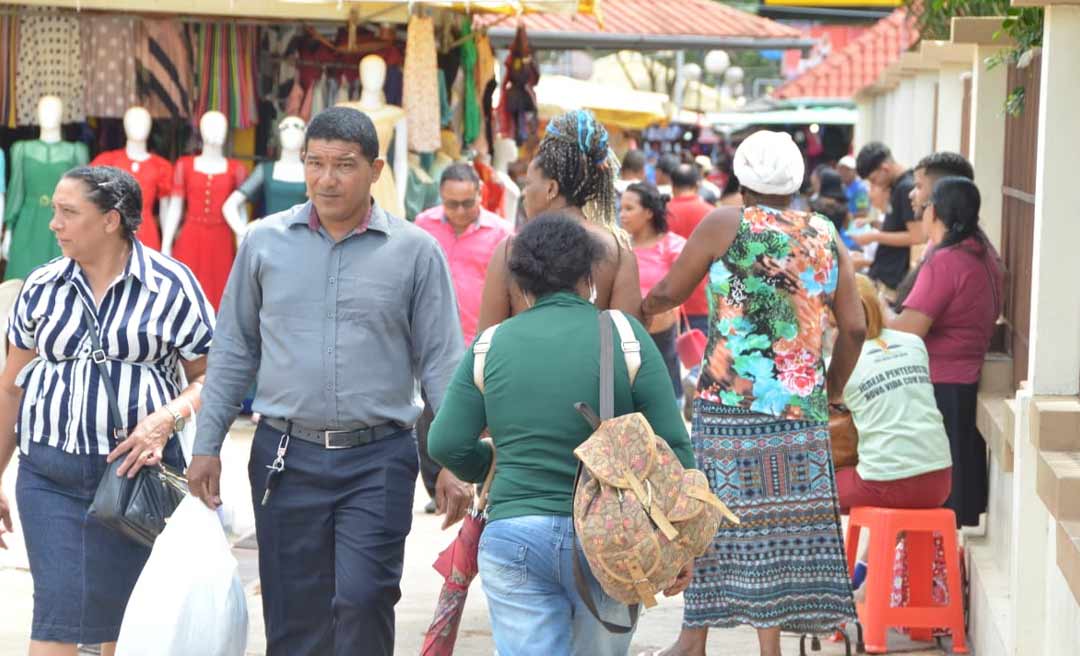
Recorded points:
540,364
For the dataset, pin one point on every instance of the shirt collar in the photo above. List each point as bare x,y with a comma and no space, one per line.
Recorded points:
376,219
138,265
561,298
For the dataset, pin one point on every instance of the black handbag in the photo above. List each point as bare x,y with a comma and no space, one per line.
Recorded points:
135,507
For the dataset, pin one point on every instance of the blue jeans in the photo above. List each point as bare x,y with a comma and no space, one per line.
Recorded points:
527,571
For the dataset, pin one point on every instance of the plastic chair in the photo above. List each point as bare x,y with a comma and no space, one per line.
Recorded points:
921,615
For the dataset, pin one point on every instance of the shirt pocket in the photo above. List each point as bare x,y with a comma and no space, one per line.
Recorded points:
372,301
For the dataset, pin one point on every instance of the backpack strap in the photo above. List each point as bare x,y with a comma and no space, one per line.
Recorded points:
480,351
631,347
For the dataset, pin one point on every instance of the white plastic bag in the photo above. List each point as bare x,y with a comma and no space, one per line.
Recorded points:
188,600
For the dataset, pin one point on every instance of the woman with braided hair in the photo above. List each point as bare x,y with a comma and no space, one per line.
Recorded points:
573,173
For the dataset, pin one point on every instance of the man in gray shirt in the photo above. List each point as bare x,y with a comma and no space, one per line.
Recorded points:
340,310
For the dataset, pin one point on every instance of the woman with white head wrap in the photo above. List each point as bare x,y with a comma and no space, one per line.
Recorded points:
763,400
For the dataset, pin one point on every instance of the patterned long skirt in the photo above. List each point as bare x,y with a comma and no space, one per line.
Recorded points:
784,565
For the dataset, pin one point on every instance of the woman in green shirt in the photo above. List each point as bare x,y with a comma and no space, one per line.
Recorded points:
541,362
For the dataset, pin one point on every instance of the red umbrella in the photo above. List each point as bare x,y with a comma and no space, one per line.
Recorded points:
457,564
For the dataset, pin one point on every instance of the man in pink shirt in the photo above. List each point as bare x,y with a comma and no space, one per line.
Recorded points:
468,234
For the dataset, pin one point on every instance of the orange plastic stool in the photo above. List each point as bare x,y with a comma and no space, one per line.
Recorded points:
875,613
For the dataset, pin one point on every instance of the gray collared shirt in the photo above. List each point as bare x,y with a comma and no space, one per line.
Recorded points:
338,334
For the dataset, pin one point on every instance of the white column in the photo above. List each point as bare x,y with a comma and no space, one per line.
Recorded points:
903,122
864,123
1054,361
950,104
988,137
922,117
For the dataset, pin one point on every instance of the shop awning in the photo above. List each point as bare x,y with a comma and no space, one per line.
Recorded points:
791,116
386,11
613,106
638,72
653,25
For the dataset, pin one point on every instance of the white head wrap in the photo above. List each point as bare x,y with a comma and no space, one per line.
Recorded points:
769,163
847,161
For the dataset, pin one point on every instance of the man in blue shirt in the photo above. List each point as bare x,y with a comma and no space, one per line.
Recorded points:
858,193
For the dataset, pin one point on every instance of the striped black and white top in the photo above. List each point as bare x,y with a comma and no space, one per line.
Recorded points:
152,315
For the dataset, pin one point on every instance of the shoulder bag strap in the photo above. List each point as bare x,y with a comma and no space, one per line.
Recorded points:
97,354
480,351
631,347
607,367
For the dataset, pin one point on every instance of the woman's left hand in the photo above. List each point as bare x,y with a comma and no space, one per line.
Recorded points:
145,444
682,582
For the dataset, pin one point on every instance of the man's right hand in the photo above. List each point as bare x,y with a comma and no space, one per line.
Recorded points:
204,479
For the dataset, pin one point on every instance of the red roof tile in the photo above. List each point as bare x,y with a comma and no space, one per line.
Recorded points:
661,17
843,73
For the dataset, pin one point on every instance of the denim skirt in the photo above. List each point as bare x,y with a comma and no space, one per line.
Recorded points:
83,571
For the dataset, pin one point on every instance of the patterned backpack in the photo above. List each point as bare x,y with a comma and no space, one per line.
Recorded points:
639,516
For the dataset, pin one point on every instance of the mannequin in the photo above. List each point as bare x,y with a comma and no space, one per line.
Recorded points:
506,151
36,167
389,189
153,173
207,242
281,183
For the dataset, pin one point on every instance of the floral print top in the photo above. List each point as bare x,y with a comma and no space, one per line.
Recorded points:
769,295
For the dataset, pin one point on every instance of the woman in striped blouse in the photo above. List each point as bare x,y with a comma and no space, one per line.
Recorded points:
151,315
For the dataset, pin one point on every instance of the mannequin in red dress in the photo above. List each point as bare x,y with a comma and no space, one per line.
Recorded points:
206,241
153,172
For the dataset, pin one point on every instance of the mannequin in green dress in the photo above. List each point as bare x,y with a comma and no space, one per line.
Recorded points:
281,183
36,167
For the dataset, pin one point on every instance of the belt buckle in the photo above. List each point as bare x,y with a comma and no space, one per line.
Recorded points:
328,439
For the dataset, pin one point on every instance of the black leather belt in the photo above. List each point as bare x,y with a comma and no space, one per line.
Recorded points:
336,439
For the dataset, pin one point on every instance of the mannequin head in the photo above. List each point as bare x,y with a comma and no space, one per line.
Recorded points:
50,112
214,127
291,133
373,72
137,124
505,152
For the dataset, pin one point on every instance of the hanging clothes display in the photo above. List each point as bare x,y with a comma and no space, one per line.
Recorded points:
471,127
36,167
206,242
163,57
108,58
491,188
485,64
421,86
294,104
155,178
517,104
225,71
9,44
48,64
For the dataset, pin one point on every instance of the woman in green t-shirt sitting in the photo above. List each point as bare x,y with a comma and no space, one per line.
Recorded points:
541,362
904,458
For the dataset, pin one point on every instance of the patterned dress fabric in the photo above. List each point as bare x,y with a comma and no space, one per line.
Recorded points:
206,242
163,55
9,54
108,47
49,65
155,178
36,167
225,71
421,86
760,433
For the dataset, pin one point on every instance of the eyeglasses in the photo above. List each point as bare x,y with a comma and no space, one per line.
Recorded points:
460,204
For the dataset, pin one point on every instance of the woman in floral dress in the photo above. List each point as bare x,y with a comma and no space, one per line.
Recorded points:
760,427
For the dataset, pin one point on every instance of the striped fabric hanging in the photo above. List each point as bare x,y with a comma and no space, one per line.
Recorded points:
9,43
225,74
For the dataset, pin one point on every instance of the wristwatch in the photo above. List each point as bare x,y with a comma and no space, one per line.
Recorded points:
178,419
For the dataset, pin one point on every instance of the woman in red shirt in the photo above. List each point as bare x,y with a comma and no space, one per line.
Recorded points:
644,216
953,306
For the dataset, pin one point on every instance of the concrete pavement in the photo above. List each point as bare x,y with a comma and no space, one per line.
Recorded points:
420,586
